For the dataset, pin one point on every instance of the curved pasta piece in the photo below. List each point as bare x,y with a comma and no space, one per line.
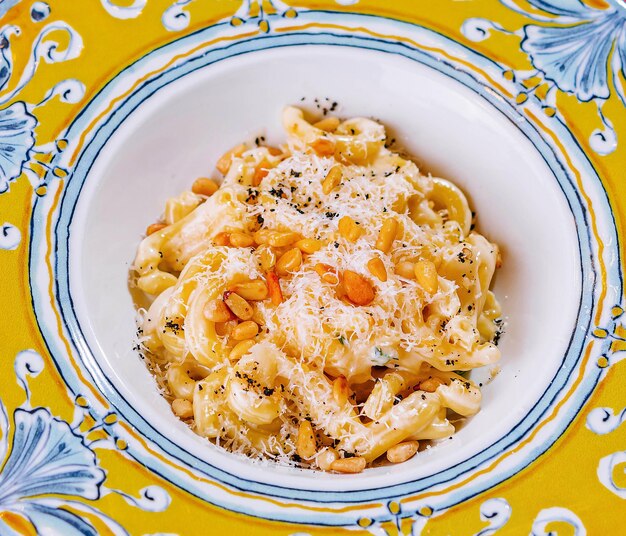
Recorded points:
449,196
401,421
200,335
176,208
250,388
439,428
176,244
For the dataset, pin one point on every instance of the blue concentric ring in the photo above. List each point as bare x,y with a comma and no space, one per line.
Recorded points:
108,127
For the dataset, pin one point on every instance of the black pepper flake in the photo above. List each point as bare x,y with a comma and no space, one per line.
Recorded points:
260,219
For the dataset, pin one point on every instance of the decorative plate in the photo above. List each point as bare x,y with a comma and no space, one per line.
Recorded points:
522,101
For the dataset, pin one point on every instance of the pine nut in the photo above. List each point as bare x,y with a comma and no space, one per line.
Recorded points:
340,390
182,408
426,275
274,151
405,269
349,229
289,261
327,273
498,258
217,311
387,235
276,294
240,349
323,147
240,307
356,464
377,269
430,385
204,187
221,239
280,240
327,124
241,240
155,228
305,444
260,172
402,451
255,290
224,329
262,236
309,245
358,289
267,257
325,458
225,161
332,180
245,330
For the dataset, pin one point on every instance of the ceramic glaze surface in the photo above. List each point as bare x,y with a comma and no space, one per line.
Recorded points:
107,109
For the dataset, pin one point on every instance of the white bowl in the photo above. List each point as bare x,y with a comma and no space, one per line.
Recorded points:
178,133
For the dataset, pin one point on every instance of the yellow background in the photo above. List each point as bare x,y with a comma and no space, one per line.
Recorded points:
565,476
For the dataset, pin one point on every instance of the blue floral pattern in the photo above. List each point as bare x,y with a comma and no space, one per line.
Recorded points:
51,465
574,48
576,57
17,122
16,141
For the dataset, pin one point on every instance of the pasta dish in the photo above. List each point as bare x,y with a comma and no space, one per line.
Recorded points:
320,306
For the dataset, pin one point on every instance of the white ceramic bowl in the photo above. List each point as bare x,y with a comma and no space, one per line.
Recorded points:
177,135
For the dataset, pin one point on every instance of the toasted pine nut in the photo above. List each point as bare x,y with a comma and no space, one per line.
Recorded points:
267,257
217,311
262,236
240,349
325,458
260,172
426,275
332,180
430,384
276,294
305,444
155,228
405,269
240,240
327,273
309,245
182,408
221,239
280,240
356,464
349,229
358,289
224,329
387,235
377,269
498,258
204,186
224,162
323,147
245,330
328,124
402,451
240,307
290,261
274,151
340,390
255,290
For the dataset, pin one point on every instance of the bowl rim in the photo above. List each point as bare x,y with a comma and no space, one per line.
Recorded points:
84,162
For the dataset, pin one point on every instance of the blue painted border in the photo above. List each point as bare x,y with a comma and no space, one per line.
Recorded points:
90,152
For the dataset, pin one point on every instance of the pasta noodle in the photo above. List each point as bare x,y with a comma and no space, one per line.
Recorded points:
322,303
